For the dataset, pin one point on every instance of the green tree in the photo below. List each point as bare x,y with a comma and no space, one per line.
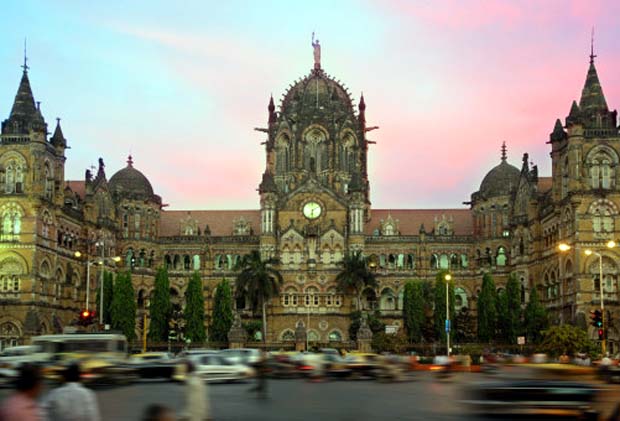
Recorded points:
222,315
258,282
160,308
502,326
108,293
566,340
428,328
464,327
355,276
413,310
195,310
440,304
389,342
487,310
123,309
535,317
513,314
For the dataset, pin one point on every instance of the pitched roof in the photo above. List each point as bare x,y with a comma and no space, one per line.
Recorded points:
544,184
77,186
25,114
410,220
220,221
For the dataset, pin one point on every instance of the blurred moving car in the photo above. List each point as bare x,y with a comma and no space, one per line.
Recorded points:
363,365
95,369
14,356
283,365
212,367
7,376
531,398
247,356
154,365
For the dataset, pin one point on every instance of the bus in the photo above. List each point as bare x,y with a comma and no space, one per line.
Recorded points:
109,344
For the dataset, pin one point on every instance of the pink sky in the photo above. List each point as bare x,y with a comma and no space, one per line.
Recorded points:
446,81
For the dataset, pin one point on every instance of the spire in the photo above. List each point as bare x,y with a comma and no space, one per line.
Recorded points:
503,151
272,110
558,132
130,161
58,139
592,98
25,115
362,110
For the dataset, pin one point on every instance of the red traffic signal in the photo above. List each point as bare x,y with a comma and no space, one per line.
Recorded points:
601,334
86,317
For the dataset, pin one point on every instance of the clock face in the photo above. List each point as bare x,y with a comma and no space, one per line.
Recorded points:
312,210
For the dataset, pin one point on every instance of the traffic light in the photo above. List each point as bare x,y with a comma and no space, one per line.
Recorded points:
596,319
601,334
86,317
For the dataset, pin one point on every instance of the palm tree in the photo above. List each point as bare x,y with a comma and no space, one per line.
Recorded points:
355,276
257,283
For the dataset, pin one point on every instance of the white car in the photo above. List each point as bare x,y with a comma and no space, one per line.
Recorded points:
215,368
247,356
14,356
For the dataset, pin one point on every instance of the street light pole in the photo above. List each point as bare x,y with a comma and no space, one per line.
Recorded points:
600,280
87,282
101,284
448,277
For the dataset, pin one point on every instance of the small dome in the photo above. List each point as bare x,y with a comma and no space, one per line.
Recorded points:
130,183
500,181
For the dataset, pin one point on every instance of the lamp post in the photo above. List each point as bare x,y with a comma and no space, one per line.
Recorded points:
100,261
588,252
448,278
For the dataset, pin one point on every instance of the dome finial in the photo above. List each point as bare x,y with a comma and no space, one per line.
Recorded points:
25,66
130,161
504,151
592,56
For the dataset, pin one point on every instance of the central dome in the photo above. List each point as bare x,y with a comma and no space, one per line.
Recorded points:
131,184
500,181
316,93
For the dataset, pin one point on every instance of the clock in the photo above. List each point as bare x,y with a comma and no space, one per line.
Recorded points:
312,210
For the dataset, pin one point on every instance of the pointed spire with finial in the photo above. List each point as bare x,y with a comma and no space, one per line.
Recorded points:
592,97
58,139
25,65
272,110
558,132
503,151
362,110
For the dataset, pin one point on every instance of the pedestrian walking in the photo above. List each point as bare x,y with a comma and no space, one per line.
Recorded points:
261,376
22,405
196,396
156,412
71,401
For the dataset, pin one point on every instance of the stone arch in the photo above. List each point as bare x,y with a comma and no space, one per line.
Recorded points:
11,331
335,335
387,300
369,299
287,335
460,298
313,335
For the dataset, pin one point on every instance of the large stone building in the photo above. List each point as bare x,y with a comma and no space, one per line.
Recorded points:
314,208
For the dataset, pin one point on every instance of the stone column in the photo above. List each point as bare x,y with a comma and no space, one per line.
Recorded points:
237,334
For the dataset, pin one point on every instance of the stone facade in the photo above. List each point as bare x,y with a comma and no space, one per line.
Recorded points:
314,207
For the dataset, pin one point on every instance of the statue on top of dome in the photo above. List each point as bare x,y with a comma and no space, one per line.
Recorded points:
317,52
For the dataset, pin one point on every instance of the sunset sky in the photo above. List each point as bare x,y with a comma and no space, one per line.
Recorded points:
181,85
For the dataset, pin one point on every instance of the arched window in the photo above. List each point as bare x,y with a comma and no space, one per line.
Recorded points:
186,262
460,298
444,263
603,212
500,259
11,215
312,298
130,260
388,300
288,336
601,161
434,261
454,261
335,336
464,261
196,262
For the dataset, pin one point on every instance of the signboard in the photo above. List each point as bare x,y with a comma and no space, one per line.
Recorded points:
391,329
447,326
521,340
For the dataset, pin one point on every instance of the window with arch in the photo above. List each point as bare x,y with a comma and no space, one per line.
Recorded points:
603,213
312,298
11,215
9,334
601,162
196,262
288,336
13,178
444,262
48,181
501,259
335,336
460,298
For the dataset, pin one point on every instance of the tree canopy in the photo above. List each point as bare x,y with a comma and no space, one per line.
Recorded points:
222,316
195,310
160,309
487,310
123,308
355,275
